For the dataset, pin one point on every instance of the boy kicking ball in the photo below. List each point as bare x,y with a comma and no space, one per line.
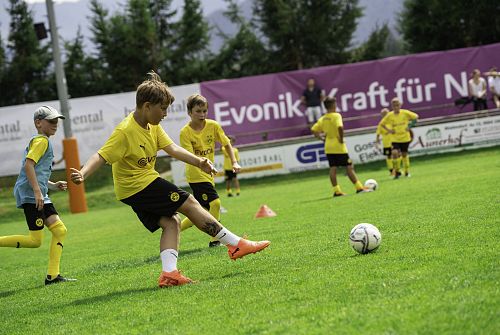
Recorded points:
131,151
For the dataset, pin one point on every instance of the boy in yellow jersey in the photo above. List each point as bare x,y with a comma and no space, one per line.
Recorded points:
386,141
330,129
398,123
131,150
199,137
231,176
31,195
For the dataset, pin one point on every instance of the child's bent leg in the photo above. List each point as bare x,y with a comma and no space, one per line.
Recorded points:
33,240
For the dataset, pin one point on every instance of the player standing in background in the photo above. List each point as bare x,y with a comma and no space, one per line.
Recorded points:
31,195
131,150
330,129
386,141
231,176
398,123
199,137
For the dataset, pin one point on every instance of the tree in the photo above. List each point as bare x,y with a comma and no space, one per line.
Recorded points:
375,47
190,49
304,33
27,78
162,16
241,55
82,72
429,25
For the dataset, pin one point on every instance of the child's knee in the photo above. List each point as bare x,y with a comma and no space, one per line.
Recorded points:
215,205
58,230
35,239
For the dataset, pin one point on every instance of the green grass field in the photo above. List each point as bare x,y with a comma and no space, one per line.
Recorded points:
436,272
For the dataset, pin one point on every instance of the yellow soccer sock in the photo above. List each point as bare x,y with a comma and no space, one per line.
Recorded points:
185,224
336,189
58,230
406,163
358,185
229,191
397,164
389,163
215,211
237,191
33,240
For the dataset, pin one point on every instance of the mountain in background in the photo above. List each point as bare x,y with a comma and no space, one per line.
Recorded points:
71,15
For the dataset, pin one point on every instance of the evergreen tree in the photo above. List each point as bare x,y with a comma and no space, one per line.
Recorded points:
27,78
100,28
190,54
304,33
429,25
3,66
241,55
162,16
82,72
375,47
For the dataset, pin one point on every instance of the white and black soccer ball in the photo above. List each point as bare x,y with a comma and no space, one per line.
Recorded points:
371,184
364,238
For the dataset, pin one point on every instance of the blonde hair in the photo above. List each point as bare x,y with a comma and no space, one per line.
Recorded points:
196,100
154,91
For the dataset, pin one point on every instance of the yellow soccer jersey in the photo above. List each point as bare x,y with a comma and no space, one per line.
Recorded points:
386,137
37,148
228,165
399,123
202,144
131,150
329,125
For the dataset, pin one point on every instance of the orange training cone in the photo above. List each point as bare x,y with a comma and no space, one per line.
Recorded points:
264,212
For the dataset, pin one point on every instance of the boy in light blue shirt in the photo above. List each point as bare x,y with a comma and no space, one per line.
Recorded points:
31,195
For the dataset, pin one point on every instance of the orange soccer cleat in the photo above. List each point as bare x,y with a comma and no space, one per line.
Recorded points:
246,247
174,278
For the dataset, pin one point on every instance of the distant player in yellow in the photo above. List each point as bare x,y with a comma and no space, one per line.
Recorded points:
386,141
31,194
398,123
199,137
330,129
231,176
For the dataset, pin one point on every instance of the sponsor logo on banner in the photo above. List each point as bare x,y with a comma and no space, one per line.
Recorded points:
10,131
311,153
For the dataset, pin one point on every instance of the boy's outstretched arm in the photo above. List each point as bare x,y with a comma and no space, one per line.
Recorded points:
183,155
234,162
92,165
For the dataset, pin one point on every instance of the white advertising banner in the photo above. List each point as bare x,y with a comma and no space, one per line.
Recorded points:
92,121
310,155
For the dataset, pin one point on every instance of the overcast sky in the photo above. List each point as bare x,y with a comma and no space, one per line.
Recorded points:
208,5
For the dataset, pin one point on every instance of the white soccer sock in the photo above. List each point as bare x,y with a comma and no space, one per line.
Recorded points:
226,237
169,260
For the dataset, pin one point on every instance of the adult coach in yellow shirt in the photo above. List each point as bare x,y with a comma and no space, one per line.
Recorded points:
398,123
330,129
386,141
199,137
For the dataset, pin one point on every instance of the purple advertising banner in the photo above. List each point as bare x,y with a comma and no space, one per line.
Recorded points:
268,107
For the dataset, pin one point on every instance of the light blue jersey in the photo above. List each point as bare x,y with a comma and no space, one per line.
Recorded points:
43,168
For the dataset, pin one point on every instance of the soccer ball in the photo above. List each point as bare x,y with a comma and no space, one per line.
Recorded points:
364,238
371,184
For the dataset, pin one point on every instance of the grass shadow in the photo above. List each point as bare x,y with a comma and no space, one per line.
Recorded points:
110,296
6,294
